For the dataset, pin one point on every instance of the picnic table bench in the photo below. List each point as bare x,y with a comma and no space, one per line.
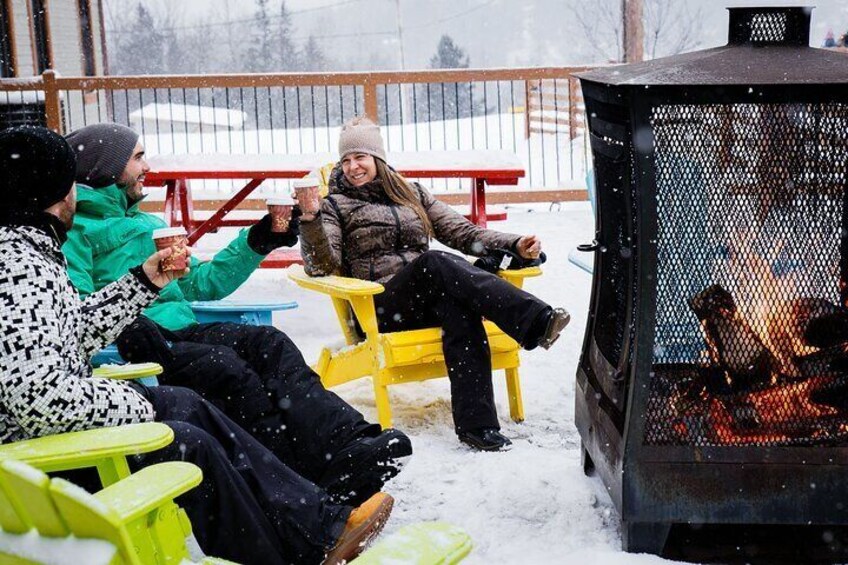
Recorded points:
485,167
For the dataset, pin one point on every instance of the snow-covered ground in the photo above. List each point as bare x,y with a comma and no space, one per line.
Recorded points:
531,505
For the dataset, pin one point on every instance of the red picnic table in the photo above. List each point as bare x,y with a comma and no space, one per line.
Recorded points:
484,167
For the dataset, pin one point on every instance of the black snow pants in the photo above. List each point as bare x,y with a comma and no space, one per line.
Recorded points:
442,289
258,377
250,507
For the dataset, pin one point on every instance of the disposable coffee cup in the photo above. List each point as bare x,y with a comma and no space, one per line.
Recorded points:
174,238
280,209
308,195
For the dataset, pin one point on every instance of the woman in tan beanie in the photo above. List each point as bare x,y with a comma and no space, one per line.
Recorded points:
376,225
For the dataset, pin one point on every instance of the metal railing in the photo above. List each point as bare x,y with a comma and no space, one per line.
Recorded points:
302,112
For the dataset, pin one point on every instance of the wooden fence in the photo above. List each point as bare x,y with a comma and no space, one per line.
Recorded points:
297,112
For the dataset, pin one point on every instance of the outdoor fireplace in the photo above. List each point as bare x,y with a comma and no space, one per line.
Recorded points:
713,383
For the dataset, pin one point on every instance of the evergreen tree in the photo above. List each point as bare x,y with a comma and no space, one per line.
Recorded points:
313,57
449,55
286,54
141,53
448,100
259,55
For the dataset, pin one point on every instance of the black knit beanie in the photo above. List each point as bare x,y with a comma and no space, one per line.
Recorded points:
37,168
103,151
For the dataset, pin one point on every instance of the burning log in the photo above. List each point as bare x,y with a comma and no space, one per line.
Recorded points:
725,431
732,344
790,405
832,363
683,411
828,362
777,374
829,327
790,327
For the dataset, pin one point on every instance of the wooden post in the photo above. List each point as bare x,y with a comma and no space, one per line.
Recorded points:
52,105
369,100
526,109
572,108
634,31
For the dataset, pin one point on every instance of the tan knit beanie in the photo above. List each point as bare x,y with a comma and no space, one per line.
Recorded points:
361,135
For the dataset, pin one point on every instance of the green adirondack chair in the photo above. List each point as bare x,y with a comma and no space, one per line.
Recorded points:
103,448
135,519
135,522
426,543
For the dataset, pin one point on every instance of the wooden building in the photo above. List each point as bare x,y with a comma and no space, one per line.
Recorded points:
64,35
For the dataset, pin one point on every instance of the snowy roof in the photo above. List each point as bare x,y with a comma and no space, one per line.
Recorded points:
190,114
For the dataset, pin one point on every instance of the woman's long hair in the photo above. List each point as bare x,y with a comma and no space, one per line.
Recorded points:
401,192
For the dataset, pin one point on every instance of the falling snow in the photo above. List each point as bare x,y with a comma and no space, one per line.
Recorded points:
529,505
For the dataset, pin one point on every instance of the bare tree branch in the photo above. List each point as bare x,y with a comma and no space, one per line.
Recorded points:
670,27
601,23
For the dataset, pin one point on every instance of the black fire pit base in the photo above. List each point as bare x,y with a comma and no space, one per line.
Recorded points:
757,544
644,537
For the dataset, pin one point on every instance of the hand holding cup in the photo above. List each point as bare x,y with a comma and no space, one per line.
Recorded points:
308,196
171,260
280,210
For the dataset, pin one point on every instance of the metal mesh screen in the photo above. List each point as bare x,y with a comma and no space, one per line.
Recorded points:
768,27
751,336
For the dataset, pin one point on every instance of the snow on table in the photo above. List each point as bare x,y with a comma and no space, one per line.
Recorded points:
293,165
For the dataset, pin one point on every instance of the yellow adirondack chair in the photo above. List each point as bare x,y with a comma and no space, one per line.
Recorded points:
399,357
135,517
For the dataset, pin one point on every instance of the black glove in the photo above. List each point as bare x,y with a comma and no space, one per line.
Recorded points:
144,341
261,239
494,260
139,388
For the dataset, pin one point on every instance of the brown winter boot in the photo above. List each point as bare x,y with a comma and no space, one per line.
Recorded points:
363,525
559,319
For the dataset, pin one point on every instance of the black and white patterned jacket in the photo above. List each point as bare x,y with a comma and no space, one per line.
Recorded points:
47,335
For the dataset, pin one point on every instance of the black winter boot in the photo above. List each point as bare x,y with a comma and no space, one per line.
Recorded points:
485,439
361,468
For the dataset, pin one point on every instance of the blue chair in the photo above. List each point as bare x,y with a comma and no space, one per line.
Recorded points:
107,356
252,314
581,259
258,314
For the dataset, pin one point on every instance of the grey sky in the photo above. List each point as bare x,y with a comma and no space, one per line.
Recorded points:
359,34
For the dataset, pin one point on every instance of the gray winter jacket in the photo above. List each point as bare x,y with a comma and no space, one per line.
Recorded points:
47,335
361,233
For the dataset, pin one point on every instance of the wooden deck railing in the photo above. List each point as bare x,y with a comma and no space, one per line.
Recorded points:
432,109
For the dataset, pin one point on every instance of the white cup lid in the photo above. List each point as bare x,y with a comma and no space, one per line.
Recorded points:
279,201
168,232
307,182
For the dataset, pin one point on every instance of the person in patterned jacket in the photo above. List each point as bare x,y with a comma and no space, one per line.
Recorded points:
250,507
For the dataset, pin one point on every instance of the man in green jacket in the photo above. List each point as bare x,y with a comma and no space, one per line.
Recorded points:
255,373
